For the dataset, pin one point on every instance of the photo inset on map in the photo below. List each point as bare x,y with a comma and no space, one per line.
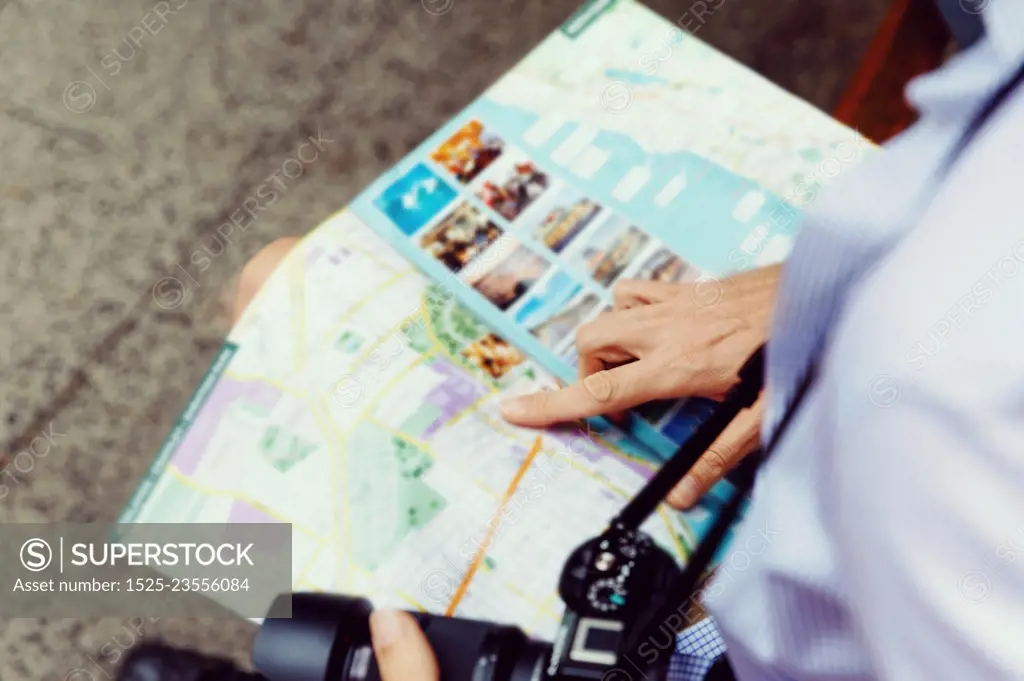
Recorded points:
506,272
665,266
512,184
560,330
493,355
568,213
460,236
414,199
466,153
554,308
606,251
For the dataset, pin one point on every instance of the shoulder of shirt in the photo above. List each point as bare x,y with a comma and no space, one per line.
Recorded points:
942,311
1004,28
975,215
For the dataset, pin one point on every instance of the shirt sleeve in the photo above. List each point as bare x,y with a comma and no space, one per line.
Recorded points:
924,487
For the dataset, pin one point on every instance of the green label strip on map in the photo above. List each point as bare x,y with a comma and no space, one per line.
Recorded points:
585,16
181,426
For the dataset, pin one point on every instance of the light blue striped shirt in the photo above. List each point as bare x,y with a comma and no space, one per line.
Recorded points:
883,538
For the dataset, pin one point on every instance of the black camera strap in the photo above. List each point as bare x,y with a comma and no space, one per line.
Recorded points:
685,588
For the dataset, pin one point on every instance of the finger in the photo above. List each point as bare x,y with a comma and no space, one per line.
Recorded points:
622,330
591,364
603,392
740,438
587,365
401,649
630,293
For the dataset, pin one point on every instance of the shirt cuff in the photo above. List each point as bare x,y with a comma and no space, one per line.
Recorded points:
697,648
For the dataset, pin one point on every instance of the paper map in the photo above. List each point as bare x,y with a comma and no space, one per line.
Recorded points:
357,398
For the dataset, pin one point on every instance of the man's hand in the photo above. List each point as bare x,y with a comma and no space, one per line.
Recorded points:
740,437
401,649
666,341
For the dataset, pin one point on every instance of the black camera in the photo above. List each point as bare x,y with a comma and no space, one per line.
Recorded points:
605,585
619,589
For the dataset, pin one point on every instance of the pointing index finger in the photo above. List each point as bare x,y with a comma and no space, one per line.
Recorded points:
600,393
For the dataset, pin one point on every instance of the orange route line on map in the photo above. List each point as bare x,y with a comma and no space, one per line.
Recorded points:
491,528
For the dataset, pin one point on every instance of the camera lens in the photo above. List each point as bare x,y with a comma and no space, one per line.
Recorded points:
469,650
531,663
317,642
328,639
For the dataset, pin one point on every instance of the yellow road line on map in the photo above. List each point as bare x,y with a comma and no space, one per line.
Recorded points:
415,442
312,561
683,552
308,400
322,417
608,483
503,428
686,534
323,420
337,238
258,505
470,408
365,354
358,307
272,382
331,433
298,298
341,510
575,464
489,535
411,601
542,606
428,326
383,390
603,480
421,445
342,437
339,514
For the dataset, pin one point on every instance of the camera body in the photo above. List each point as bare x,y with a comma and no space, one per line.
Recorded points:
605,584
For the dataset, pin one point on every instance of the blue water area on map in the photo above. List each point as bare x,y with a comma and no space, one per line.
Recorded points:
697,223
634,77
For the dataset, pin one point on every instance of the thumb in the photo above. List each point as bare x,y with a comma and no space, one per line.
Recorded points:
741,437
402,651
